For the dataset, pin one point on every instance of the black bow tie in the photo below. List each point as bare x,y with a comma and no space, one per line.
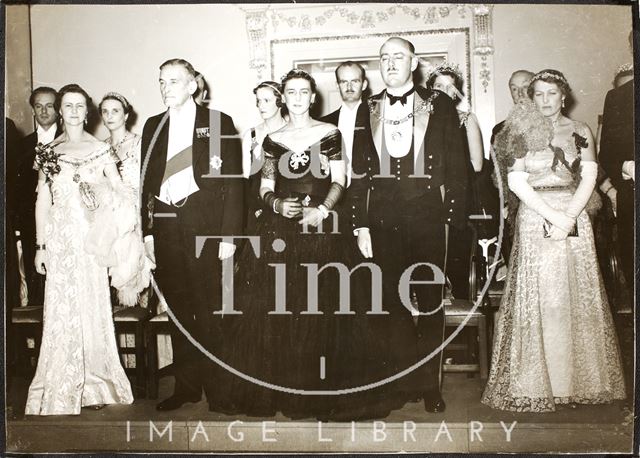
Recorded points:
400,98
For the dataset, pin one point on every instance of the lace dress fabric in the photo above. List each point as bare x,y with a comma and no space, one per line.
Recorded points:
555,341
129,166
78,364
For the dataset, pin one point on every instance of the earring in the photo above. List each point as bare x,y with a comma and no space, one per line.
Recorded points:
562,103
85,120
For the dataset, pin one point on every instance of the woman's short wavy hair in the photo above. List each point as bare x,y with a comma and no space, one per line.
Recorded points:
297,73
73,88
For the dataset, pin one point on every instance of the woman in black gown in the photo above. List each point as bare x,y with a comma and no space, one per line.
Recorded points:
298,348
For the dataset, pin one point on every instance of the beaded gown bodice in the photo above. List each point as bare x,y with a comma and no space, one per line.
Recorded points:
308,171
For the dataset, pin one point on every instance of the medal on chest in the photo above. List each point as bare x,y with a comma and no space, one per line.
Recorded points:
396,136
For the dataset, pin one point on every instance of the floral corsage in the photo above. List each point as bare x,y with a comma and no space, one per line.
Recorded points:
47,161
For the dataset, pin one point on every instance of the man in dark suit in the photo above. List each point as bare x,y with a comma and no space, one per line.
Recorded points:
353,116
352,119
518,85
189,190
45,112
618,160
413,184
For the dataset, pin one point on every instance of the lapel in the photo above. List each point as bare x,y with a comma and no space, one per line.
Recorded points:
157,160
376,104
361,115
420,123
162,143
334,117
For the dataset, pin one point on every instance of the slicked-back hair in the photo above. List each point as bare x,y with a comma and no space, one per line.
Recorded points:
43,90
297,73
528,72
183,63
351,63
412,49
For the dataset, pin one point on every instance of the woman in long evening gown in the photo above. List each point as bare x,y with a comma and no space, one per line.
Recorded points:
78,364
305,346
132,277
555,341
269,103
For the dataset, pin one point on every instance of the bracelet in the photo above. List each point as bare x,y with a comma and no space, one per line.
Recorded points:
607,191
275,210
42,247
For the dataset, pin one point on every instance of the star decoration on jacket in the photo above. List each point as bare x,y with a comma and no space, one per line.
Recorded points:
215,162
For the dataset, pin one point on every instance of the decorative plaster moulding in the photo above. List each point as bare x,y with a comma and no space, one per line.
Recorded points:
270,27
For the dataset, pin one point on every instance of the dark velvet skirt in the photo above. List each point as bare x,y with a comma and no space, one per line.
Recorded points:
310,344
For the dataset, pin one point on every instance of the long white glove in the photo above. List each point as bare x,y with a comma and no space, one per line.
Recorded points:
589,174
518,183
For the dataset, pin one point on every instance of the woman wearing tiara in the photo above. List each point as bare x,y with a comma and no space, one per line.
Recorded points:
554,341
269,103
448,78
115,111
290,333
78,364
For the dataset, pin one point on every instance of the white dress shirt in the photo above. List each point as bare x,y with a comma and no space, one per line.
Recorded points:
347,125
46,135
398,138
183,183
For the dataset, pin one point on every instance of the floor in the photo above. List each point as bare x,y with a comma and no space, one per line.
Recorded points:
466,426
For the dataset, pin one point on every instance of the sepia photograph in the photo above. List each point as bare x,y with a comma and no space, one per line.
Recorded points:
240,228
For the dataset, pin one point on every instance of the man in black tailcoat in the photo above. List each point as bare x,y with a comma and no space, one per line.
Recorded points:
192,186
413,184
352,119
618,160
45,112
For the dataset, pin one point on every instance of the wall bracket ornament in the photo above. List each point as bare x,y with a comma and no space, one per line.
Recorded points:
256,22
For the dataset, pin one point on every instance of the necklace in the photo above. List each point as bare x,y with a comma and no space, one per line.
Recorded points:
77,163
86,191
117,146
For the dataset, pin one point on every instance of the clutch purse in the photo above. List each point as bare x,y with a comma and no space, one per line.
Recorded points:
546,230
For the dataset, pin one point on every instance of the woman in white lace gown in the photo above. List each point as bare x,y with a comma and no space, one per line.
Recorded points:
128,277
78,364
114,111
555,341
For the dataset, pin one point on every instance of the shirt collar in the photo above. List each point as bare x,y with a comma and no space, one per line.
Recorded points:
187,110
352,110
42,131
398,91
